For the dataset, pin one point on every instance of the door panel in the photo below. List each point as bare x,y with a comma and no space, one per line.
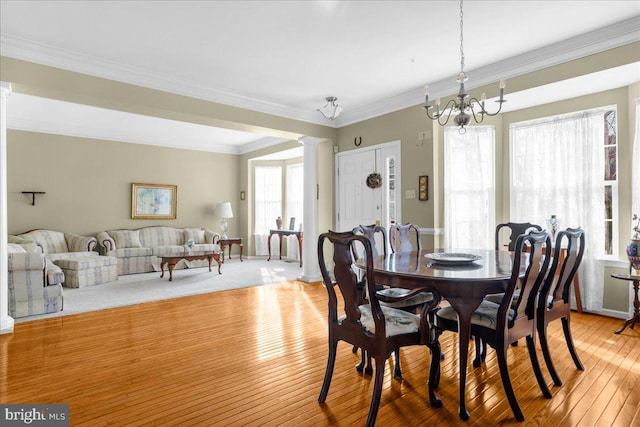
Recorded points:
358,204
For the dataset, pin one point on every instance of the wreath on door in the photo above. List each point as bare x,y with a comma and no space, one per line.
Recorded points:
374,180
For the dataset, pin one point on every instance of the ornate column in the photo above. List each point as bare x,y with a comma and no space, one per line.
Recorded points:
6,321
310,268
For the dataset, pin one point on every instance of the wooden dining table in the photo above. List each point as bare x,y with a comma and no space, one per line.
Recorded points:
462,285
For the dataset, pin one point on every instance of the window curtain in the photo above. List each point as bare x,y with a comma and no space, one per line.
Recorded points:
294,205
268,206
635,183
557,167
469,194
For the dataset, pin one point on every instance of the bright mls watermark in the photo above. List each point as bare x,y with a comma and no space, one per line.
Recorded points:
34,415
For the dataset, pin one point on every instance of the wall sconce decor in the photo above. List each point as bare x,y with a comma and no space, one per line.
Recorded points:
423,188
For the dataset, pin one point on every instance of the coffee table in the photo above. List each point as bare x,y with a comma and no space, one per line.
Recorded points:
172,259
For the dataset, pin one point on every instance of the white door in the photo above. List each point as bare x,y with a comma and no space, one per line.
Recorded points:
357,203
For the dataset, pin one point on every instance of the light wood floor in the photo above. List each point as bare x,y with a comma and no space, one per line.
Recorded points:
257,356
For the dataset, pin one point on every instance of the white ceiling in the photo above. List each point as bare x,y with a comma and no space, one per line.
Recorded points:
285,57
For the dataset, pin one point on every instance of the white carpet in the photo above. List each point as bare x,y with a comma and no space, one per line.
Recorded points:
138,288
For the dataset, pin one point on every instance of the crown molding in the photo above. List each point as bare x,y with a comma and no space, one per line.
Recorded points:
113,134
39,53
600,40
609,37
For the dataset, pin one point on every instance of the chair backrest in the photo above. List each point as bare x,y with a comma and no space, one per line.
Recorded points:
517,229
400,238
564,266
369,231
530,245
344,276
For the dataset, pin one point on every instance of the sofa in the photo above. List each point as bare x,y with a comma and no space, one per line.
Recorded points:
75,255
31,289
137,250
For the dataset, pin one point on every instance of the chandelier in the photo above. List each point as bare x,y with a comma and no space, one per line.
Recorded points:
464,108
331,110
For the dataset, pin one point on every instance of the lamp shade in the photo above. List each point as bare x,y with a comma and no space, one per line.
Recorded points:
223,210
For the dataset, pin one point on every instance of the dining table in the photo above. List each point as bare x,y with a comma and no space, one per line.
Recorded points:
463,277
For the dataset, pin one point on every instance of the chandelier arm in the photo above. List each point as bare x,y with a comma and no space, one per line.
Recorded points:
473,112
449,106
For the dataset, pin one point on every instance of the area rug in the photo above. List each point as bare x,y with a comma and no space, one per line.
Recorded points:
139,288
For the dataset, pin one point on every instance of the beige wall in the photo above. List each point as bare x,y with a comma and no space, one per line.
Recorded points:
88,183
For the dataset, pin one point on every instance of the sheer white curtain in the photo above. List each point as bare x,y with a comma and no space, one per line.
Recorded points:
635,165
557,167
294,205
469,190
635,183
268,206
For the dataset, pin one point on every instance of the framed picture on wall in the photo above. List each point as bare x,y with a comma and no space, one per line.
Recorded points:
153,201
423,188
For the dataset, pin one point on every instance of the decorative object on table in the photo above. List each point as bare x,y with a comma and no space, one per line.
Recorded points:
292,223
153,201
633,250
279,223
423,188
553,224
331,110
463,108
223,210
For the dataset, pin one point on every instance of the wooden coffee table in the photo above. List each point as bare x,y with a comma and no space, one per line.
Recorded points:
172,259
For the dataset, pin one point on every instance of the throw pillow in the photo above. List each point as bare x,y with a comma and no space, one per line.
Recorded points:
126,238
195,234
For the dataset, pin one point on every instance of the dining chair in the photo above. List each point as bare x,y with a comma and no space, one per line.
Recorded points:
555,294
501,324
516,229
374,328
388,296
400,238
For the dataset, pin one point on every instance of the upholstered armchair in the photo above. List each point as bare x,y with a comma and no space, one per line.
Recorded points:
29,293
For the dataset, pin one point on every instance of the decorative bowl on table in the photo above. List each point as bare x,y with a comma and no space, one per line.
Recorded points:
452,258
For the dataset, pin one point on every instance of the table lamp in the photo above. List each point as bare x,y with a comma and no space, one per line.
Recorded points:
223,210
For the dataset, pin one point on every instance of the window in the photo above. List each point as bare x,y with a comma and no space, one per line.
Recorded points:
610,182
295,194
557,166
391,189
469,191
268,198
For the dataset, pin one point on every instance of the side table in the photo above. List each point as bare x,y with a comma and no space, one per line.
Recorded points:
281,233
636,303
230,241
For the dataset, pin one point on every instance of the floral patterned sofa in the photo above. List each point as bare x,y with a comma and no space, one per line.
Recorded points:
75,255
35,285
137,250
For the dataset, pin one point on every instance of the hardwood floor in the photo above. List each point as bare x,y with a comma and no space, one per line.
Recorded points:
256,356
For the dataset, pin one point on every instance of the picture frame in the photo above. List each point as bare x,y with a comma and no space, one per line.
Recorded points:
292,223
153,201
423,188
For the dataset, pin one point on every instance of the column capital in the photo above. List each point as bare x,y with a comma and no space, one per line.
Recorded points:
310,140
5,88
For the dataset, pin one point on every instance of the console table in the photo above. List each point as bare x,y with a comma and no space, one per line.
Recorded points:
281,233
636,303
230,241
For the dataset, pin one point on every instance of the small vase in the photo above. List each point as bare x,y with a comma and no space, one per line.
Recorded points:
279,223
633,253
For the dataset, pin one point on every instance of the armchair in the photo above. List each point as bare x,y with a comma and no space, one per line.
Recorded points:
27,279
